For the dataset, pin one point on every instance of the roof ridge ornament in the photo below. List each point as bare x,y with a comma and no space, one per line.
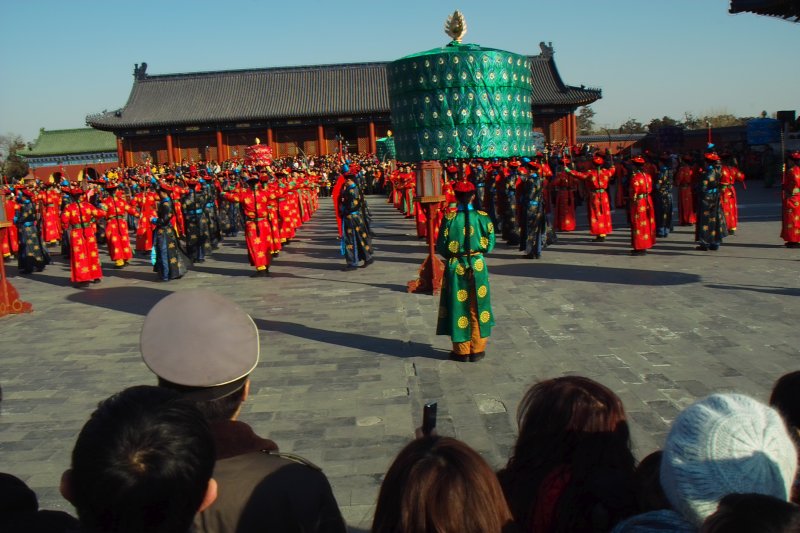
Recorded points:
547,49
455,26
140,73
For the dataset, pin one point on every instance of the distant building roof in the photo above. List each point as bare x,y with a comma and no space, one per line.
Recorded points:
785,9
71,142
290,92
548,87
614,137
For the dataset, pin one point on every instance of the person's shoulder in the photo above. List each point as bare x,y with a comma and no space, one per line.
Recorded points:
270,460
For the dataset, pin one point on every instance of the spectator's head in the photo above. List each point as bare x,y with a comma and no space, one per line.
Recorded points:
785,398
208,365
440,485
19,510
723,444
15,498
557,416
649,494
142,463
576,425
748,513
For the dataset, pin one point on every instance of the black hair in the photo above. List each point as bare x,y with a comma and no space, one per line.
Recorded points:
222,408
785,398
745,513
141,463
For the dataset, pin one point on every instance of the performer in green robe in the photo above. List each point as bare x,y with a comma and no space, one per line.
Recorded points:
465,312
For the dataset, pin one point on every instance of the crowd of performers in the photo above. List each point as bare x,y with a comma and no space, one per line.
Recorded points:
531,200
176,216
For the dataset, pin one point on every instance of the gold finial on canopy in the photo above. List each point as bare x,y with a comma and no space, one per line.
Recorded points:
456,26
258,141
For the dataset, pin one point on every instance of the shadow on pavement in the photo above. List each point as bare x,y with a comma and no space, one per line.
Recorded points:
59,281
135,300
356,341
783,291
244,271
595,274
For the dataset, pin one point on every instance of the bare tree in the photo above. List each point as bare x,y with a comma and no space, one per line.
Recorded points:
12,165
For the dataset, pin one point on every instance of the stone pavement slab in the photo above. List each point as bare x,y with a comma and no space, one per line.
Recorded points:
349,358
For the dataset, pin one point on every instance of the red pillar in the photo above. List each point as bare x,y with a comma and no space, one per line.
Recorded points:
176,157
221,155
120,152
128,153
373,145
269,142
574,128
323,149
170,154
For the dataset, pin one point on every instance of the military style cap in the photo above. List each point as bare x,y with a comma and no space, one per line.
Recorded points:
199,343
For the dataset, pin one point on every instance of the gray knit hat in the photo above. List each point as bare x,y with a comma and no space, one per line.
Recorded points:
722,444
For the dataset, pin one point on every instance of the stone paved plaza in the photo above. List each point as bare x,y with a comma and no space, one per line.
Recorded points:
349,358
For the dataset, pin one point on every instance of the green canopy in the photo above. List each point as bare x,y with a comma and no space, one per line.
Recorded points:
385,148
461,101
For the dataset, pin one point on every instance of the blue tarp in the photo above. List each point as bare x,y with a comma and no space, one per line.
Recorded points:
763,131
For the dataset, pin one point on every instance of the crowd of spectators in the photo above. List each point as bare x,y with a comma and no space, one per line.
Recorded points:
144,461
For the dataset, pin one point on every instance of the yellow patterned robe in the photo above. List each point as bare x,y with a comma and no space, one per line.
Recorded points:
464,272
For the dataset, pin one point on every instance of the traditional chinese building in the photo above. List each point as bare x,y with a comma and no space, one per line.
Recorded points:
71,152
785,9
295,110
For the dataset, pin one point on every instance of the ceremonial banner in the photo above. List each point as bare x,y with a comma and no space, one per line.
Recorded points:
461,101
258,155
385,148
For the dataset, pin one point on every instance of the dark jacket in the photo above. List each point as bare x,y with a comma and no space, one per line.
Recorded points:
261,490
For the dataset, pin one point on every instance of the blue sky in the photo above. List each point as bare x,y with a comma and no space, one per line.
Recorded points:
61,60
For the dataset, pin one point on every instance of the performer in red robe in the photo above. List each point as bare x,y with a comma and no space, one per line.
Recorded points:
84,260
258,234
146,203
599,206
621,179
642,215
564,187
269,186
337,191
727,198
177,193
51,216
10,242
790,228
408,187
685,178
116,210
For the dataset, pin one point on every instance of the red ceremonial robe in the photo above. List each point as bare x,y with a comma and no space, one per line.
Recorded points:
599,205
84,260
643,222
790,229
337,190
119,242
257,233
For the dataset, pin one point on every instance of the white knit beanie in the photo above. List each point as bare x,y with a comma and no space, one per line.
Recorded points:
723,444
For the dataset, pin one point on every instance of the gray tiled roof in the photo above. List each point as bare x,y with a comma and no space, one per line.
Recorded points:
548,87
785,9
286,93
